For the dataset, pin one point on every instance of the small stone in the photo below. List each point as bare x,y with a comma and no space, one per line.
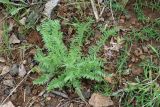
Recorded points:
133,59
24,62
48,98
121,21
14,70
22,71
23,20
137,59
2,60
145,49
9,83
98,100
142,57
13,39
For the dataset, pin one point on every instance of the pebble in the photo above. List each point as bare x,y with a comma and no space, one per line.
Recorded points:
14,70
2,60
22,70
48,98
142,57
24,62
145,49
133,59
23,20
98,100
121,21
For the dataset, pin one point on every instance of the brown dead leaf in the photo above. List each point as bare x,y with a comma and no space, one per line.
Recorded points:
97,100
34,38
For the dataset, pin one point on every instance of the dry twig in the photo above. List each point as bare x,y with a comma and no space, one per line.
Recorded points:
94,10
